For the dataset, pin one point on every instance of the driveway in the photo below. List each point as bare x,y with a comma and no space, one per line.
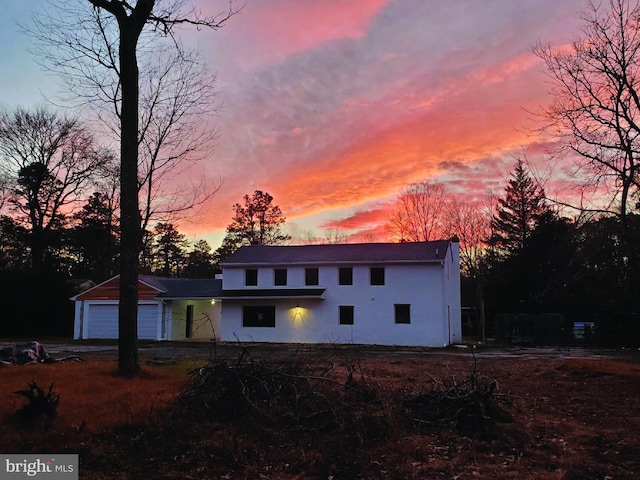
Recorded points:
204,350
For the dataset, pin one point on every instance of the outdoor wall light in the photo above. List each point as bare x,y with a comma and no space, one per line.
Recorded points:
296,313
213,301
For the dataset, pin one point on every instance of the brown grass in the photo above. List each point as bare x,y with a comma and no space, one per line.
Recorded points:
574,418
93,398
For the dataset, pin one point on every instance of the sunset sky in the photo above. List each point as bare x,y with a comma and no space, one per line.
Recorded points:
333,106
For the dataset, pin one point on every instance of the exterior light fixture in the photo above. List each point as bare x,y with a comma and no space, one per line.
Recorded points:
213,301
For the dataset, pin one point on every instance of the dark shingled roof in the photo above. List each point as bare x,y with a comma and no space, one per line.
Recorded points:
184,287
351,253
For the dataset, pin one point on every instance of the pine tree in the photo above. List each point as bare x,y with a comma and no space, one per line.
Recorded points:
94,237
257,222
200,262
518,212
169,249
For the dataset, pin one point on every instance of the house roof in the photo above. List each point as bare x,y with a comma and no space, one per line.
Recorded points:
351,253
173,288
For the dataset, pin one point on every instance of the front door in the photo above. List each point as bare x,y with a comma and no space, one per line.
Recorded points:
189,330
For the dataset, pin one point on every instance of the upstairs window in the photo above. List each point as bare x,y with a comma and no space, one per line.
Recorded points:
311,276
377,275
280,277
346,314
251,277
345,276
403,313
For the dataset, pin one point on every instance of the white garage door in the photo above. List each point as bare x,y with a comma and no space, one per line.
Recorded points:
103,321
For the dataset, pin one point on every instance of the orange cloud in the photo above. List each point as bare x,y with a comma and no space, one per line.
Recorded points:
377,167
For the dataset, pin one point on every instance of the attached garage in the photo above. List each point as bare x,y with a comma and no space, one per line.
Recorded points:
168,309
104,321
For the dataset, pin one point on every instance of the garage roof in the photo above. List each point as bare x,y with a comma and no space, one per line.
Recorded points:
151,287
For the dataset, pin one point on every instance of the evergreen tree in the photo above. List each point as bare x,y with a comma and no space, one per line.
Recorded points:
13,238
257,222
200,263
230,243
169,249
94,238
518,212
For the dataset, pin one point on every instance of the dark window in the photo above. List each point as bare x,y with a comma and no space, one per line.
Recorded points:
403,313
345,276
189,330
280,276
311,276
251,277
377,275
259,316
346,314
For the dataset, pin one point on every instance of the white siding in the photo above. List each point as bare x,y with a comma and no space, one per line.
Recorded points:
420,286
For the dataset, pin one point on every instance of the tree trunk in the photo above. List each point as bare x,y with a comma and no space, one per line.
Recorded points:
128,361
37,248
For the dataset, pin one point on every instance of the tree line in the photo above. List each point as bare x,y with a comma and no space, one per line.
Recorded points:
520,254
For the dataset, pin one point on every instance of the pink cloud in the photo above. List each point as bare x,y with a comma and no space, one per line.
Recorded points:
360,220
355,100
266,32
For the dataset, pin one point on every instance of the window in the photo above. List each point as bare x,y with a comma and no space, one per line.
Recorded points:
189,330
311,276
345,276
346,314
377,275
280,276
251,277
403,313
264,316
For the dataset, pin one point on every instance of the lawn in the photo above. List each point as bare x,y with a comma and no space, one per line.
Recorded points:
335,415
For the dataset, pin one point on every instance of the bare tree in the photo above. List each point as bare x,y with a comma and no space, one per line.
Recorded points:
329,236
595,112
419,212
470,222
101,46
50,161
176,100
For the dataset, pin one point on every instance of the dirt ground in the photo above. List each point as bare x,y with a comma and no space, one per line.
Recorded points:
573,415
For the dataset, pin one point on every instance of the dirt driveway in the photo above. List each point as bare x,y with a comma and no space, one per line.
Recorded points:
206,350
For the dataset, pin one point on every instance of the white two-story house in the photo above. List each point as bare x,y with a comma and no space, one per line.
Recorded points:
375,293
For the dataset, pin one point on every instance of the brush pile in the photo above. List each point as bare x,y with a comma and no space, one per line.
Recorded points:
472,407
291,393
